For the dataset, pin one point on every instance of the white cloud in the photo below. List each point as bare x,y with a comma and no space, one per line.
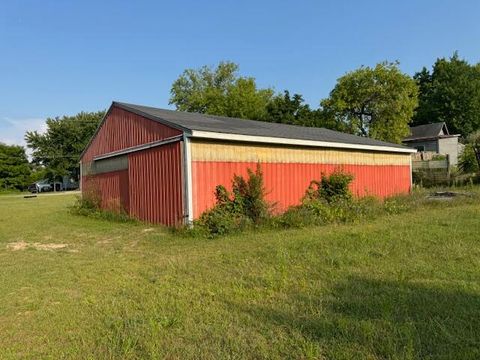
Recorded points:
12,131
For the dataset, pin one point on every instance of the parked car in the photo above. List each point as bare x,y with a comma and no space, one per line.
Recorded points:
45,185
40,186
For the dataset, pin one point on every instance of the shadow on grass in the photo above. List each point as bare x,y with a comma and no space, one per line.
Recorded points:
381,319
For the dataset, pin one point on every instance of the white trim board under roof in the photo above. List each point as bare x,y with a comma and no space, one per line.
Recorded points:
298,142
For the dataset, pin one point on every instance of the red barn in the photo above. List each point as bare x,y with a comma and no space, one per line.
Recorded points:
162,166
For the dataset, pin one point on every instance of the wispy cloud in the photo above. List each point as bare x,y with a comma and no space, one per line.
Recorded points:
12,131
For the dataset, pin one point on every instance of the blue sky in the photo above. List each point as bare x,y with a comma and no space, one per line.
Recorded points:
62,57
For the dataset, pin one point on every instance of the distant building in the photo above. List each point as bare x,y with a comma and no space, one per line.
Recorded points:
434,138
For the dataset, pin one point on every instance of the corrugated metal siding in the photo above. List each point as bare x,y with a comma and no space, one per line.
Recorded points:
286,183
250,152
123,129
155,178
110,188
288,170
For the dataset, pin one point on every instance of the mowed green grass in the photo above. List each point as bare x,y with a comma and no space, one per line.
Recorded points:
401,287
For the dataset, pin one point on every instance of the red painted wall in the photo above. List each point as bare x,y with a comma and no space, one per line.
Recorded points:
156,187
151,189
286,182
110,188
123,129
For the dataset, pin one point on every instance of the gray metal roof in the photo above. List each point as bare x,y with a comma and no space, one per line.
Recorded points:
427,131
186,121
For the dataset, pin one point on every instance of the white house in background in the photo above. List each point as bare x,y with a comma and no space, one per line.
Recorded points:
434,138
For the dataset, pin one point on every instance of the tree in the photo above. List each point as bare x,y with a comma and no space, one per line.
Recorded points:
293,110
450,93
14,167
289,110
474,140
377,102
467,161
59,148
423,112
220,91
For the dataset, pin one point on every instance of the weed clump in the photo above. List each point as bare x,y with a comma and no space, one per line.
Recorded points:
331,188
330,201
89,204
326,201
244,207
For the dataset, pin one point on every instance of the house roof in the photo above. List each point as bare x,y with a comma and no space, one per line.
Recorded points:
428,131
220,127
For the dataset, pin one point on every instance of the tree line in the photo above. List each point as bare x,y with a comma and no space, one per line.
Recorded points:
379,102
54,153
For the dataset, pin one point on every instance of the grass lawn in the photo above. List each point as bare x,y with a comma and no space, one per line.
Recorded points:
402,287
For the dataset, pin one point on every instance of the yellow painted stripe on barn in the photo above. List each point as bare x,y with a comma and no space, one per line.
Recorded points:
243,152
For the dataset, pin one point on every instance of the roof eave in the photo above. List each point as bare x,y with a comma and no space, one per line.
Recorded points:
298,142
430,138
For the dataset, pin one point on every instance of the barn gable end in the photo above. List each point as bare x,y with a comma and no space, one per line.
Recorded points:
123,182
123,129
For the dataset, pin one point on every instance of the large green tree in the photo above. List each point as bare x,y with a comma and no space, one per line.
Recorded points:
287,109
450,93
58,149
378,102
220,91
14,167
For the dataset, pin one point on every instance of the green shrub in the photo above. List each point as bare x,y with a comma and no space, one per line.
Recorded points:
244,207
320,212
347,210
295,217
467,161
221,221
89,205
333,187
312,212
439,157
249,196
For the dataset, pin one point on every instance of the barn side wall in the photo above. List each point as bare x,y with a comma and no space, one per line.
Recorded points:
288,170
156,186
110,189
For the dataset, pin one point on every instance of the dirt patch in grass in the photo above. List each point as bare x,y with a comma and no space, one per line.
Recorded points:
22,245
49,247
104,242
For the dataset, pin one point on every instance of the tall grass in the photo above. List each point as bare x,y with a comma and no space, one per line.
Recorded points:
402,286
